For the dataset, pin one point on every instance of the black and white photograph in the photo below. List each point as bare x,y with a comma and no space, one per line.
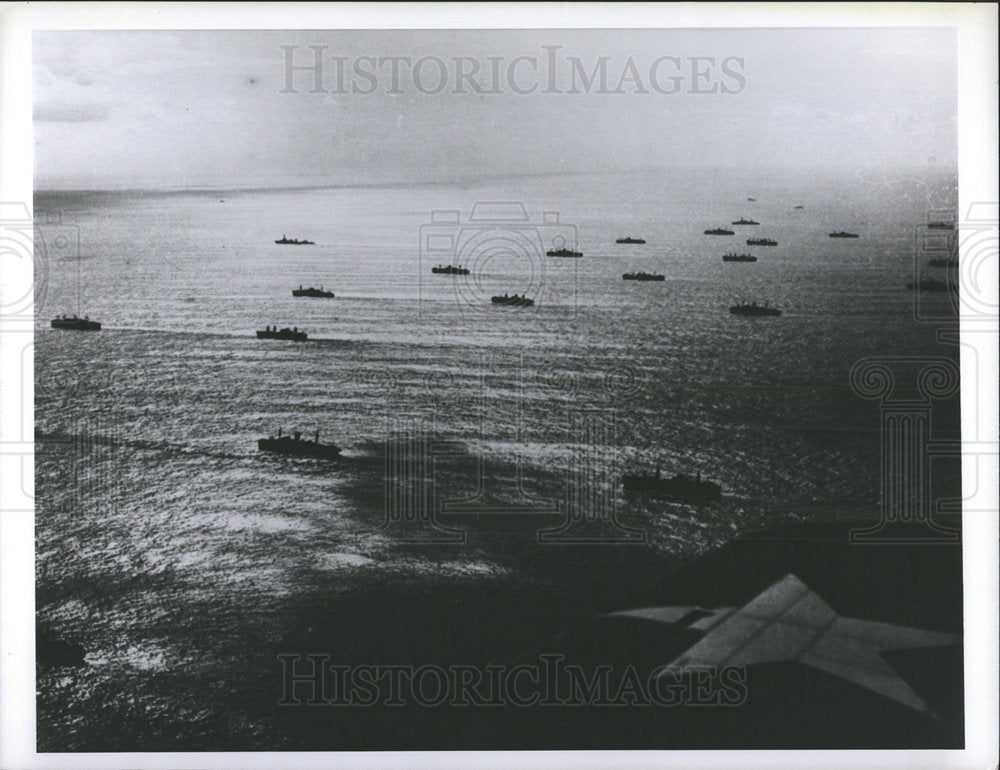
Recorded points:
562,379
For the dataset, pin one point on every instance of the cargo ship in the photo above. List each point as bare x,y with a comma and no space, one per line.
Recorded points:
733,257
513,300
311,292
753,309
297,446
76,324
719,231
676,486
761,242
274,333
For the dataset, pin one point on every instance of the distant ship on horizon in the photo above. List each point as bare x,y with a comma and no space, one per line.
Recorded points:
844,234
629,239
77,324
273,333
563,253
298,446
286,241
513,300
719,231
734,257
677,486
311,292
450,270
928,284
761,242
753,309
742,221
642,276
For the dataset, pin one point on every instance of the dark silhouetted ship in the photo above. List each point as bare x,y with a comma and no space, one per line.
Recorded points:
719,231
843,234
742,221
761,242
628,239
941,225
733,257
753,309
752,199
77,324
311,292
298,446
676,486
944,262
274,333
286,241
513,300
563,253
928,284
450,270
800,207
642,276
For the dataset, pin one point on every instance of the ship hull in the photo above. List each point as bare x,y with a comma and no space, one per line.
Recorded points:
298,448
78,324
283,335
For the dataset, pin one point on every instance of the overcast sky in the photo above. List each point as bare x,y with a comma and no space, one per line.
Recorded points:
165,109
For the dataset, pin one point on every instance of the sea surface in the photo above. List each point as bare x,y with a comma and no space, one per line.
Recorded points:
476,509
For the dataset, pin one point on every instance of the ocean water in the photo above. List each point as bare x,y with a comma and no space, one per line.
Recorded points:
183,561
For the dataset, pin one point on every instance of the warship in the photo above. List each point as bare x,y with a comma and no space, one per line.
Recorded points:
628,239
286,241
761,242
742,221
719,231
734,257
642,276
450,270
843,234
297,446
563,253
